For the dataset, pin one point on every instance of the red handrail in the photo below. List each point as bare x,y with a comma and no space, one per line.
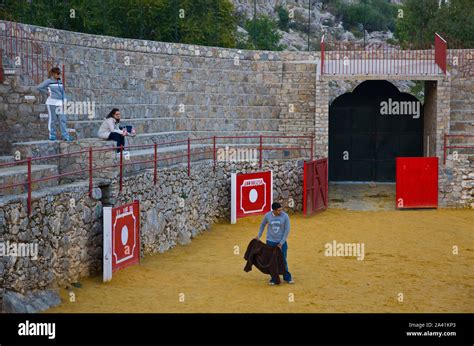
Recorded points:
91,169
17,43
354,58
446,146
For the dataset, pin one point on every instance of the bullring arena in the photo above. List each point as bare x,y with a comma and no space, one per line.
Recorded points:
193,109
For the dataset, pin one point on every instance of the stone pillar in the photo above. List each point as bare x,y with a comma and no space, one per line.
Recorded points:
443,109
321,119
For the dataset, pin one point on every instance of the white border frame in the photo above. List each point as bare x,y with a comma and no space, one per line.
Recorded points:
107,245
233,198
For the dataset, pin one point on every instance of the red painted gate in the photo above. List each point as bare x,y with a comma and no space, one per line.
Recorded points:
315,186
417,182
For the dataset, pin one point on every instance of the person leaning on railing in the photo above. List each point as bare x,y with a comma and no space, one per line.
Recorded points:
110,130
55,102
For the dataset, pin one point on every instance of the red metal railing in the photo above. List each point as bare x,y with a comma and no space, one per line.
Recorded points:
26,54
90,169
447,147
381,58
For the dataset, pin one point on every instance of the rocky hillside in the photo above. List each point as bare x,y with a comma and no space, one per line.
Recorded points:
321,21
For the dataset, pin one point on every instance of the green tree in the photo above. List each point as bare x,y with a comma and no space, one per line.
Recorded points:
423,18
283,18
203,22
263,34
372,15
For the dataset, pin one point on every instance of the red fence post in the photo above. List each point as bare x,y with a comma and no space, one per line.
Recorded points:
155,164
214,152
29,186
90,172
121,167
189,156
261,150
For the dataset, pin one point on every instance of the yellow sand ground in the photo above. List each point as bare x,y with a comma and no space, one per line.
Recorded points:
408,252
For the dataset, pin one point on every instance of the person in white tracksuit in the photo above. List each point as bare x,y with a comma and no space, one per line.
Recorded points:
55,103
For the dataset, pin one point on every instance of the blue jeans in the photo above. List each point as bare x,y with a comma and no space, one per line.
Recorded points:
284,250
55,117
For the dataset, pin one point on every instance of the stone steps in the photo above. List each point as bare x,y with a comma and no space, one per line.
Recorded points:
36,149
219,70
146,96
4,159
152,110
461,115
19,174
88,129
161,85
161,137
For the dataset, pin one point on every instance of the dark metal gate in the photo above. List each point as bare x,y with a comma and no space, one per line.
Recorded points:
363,141
315,186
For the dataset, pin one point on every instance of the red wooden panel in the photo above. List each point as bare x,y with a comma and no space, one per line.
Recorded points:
125,235
416,182
315,186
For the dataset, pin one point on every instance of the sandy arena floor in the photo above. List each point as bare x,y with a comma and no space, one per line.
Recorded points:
408,252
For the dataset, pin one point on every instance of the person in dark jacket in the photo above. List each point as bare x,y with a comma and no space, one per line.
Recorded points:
268,259
277,234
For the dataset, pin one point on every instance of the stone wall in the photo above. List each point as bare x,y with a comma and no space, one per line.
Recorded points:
162,86
298,98
20,115
457,182
67,224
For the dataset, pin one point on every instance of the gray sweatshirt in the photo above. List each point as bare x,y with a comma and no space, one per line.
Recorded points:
56,91
109,125
278,227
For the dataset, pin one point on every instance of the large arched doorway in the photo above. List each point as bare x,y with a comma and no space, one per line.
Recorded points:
369,128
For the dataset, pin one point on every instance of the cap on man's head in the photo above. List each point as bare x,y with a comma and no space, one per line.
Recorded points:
276,206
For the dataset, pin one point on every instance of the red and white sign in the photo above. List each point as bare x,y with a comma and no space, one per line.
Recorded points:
121,237
251,194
